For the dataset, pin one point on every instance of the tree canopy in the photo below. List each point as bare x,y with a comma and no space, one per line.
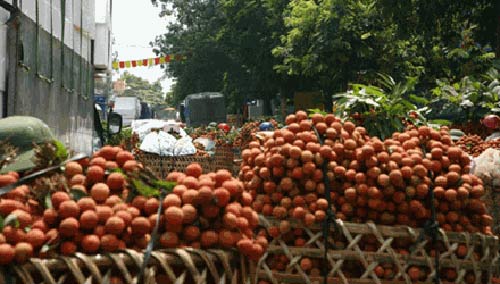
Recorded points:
138,87
251,49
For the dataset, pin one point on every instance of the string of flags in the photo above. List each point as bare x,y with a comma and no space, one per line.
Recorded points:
147,61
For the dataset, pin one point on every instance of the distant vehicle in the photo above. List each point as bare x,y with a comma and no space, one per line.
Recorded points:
129,108
146,111
172,118
101,101
204,108
255,109
114,126
168,113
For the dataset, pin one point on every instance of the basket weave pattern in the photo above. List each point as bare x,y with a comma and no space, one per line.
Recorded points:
351,235
180,266
161,166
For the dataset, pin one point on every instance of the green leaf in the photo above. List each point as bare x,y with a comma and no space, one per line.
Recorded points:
11,220
145,189
488,55
419,100
117,170
316,110
167,185
77,194
61,151
365,35
442,122
48,201
1,223
458,52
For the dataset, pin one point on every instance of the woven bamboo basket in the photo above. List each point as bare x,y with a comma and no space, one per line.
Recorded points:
349,253
162,166
237,167
491,199
180,266
224,158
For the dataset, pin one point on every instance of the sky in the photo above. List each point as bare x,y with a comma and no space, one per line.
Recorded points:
135,23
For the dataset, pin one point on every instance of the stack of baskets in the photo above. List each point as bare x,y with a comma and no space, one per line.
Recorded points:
348,259
162,165
180,266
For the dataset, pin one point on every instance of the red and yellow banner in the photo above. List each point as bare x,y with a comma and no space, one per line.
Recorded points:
147,62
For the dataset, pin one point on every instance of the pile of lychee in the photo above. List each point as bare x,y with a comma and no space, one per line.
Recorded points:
387,182
203,211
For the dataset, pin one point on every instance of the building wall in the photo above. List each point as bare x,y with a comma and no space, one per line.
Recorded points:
54,79
79,21
102,56
102,45
48,79
4,16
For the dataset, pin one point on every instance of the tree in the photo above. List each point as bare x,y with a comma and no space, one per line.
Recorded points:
251,49
250,31
194,35
142,89
228,45
340,41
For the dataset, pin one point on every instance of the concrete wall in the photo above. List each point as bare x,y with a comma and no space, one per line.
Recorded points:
51,81
4,16
102,44
48,77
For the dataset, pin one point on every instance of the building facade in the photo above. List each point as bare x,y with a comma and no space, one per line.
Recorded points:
48,67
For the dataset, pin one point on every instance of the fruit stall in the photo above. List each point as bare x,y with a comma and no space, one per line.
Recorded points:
317,201
109,220
217,147
337,203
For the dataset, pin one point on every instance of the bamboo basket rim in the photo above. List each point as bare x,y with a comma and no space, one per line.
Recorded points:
127,260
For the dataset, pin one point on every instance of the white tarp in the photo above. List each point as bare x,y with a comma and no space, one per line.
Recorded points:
164,144
493,136
143,126
209,144
487,167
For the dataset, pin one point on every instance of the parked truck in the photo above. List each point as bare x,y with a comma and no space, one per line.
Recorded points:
204,108
129,108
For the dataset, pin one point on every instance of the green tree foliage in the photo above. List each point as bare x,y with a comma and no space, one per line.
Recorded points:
249,34
467,99
228,46
348,41
194,34
141,88
382,110
251,49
